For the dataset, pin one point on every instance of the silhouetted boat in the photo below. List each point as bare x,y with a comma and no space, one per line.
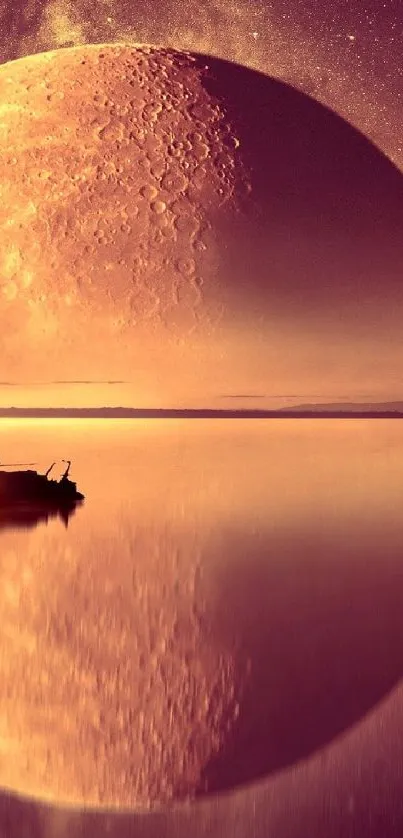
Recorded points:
33,489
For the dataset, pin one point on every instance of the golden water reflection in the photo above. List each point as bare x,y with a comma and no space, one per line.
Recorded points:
227,600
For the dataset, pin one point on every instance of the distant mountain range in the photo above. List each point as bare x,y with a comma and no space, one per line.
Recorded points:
331,410
351,407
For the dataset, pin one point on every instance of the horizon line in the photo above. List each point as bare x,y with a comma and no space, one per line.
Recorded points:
385,410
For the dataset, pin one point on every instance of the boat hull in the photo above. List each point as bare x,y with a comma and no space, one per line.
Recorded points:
33,489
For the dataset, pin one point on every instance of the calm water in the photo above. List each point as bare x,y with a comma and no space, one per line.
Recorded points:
228,599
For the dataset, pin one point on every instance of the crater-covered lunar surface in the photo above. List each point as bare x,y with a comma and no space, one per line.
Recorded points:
111,203
191,226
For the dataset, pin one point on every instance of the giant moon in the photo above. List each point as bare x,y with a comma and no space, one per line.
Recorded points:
193,227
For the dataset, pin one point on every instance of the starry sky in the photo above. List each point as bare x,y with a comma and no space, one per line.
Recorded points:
348,55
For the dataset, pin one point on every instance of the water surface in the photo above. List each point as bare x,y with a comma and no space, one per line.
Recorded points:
228,599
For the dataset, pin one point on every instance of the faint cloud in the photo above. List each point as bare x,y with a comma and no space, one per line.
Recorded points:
264,396
84,381
243,396
57,381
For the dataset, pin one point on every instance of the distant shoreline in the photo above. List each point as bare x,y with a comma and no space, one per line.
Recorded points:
198,413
